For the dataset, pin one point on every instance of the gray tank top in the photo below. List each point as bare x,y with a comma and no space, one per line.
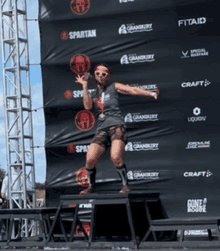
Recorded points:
112,110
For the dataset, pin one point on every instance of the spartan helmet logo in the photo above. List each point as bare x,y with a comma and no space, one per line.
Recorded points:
128,118
80,64
84,120
80,7
122,29
129,147
81,177
124,60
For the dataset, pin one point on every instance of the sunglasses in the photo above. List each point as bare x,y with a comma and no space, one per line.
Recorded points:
99,74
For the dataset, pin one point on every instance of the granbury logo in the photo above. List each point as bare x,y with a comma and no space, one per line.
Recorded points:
137,175
198,145
132,28
204,83
126,1
82,148
138,146
132,59
197,111
82,34
79,93
137,117
192,21
206,174
195,53
196,206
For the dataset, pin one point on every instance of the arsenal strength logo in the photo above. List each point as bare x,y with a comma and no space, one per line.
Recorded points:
79,7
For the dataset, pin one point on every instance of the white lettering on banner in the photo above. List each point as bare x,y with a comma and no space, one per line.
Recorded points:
140,118
192,21
79,93
197,145
131,28
132,59
206,174
204,83
82,34
197,206
196,232
195,53
89,205
197,111
82,148
137,146
126,1
141,175
146,87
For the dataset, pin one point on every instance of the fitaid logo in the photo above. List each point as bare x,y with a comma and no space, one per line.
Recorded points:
197,112
133,59
138,146
197,206
198,145
192,21
206,174
132,28
195,53
139,175
203,83
137,117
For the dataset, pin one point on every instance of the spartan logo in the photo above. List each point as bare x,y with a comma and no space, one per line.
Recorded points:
122,29
79,7
128,118
124,60
129,147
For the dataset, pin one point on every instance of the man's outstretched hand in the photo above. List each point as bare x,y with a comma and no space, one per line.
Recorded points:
157,93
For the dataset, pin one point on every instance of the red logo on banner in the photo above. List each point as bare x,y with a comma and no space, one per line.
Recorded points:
84,120
79,7
86,227
71,148
80,64
64,35
81,177
68,94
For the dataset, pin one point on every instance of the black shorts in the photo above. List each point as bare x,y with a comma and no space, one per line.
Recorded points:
106,136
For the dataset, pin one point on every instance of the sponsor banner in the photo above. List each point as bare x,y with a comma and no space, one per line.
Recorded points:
197,205
196,232
198,145
133,28
192,21
78,34
137,117
197,118
198,83
142,175
206,174
134,58
139,146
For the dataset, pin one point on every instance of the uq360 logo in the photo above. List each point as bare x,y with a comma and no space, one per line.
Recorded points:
139,175
137,117
197,118
138,146
197,205
133,59
132,28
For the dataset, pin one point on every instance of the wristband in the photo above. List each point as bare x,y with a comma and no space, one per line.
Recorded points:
152,94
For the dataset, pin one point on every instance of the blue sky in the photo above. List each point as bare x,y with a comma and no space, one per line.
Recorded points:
37,98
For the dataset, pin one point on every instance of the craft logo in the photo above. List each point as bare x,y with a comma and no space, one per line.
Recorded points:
89,205
84,120
126,1
137,117
204,83
138,146
206,174
195,53
192,21
81,177
79,7
198,145
132,28
197,206
197,112
79,93
139,175
132,59
79,64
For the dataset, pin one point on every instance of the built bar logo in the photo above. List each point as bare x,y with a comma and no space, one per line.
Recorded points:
195,53
196,206
132,28
138,146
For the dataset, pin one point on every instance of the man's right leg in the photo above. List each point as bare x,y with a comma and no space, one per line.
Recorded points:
93,154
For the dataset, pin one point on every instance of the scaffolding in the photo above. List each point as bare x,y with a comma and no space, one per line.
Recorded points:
17,108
